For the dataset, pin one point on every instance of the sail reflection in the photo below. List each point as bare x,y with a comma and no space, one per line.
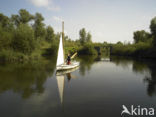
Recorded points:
60,76
60,84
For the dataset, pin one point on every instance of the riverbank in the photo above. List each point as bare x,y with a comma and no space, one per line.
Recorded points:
135,51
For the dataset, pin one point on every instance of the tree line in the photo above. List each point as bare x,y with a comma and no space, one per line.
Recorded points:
25,36
144,44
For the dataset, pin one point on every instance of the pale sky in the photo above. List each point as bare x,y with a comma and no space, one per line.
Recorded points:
106,20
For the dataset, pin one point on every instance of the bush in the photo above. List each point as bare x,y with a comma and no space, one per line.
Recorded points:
87,49
51,51
9,55
138,49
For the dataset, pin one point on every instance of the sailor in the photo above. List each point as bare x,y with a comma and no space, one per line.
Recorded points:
68,59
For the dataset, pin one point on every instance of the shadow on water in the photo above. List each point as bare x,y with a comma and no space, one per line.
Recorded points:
147,67
27,78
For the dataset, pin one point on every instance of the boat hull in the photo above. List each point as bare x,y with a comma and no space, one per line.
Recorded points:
63,72
66,67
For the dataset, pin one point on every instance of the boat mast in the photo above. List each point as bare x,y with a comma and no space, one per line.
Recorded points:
63,38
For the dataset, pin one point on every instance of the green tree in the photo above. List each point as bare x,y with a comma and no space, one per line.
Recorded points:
25,16
5,38
50,35
82,34
119,43
15,20
4,20
38,26
24,39
153,29
141,36
89,38
87,49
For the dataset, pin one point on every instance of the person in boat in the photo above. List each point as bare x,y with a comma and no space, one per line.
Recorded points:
68,59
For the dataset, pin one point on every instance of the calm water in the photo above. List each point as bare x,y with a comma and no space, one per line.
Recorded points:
98,88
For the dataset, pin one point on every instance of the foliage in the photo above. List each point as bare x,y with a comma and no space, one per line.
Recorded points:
38,26
24,16
139,49
141,36
144,44
24,39
50,36
89,38
87,49
5,39
4,20
153,29
84,36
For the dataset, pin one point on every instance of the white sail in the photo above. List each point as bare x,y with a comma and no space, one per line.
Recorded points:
60,56
60,84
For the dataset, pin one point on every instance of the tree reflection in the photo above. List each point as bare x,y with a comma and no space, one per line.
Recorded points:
25,79
85,63
151,80
121,61
150,76
143,67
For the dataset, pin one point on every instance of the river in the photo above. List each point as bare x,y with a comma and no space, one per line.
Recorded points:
98,88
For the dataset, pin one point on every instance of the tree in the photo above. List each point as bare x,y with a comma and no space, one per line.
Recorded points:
4,20
5,38
24,39
82,34
50,36
119,43
25,16
15,20
89,38
141,36
153,29
39,26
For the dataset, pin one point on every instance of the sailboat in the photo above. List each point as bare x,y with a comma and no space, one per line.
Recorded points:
61,65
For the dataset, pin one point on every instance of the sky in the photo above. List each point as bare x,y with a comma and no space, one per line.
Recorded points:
106,20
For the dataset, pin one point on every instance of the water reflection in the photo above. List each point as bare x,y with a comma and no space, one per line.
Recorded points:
85,63
60,84
25,79
151,80
141,67
60,76
99,81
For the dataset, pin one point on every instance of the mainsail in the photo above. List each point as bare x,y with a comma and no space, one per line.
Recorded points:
60,56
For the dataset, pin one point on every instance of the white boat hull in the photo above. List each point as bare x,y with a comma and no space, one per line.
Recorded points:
63,72
66,67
